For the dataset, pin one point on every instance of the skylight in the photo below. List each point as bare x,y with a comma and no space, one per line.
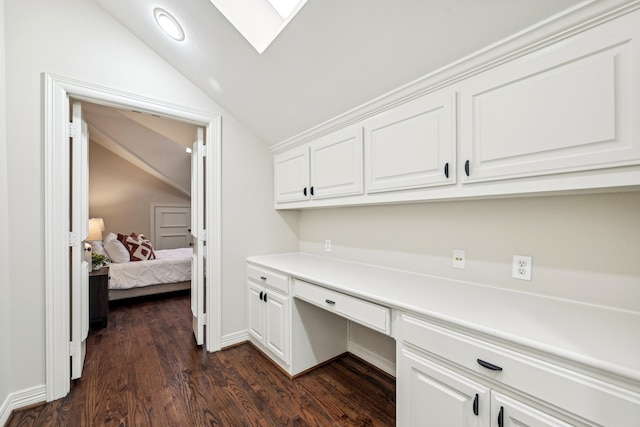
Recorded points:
259,21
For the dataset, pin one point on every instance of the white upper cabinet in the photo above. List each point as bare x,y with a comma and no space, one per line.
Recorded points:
568,107
291,175
330,166
411,145
336,164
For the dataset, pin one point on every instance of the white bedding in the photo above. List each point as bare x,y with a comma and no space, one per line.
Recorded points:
170,266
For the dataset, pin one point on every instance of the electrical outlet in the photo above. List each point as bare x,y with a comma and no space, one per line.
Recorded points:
327,245
458,259
522,267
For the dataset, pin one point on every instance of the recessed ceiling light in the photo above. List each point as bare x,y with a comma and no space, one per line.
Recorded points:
169,24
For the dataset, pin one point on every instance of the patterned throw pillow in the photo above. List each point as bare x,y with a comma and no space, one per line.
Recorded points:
140,249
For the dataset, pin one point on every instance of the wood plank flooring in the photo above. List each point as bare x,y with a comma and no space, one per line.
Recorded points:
144,369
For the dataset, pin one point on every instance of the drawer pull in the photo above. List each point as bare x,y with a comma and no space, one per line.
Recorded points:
263,278
446,170
475,405
489,365
261,295
466,167
328,301
304,191
501,417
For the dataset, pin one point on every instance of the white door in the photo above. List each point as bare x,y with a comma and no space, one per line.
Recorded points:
78,233
172,227
198,232
291,175
432,395
336,164
508,412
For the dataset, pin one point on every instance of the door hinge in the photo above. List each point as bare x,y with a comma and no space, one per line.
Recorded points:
74,348
74,130
203,151
74,238
202,235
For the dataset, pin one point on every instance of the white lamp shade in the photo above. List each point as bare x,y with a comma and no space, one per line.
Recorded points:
96,227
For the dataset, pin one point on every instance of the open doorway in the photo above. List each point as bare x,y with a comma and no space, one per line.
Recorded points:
58,92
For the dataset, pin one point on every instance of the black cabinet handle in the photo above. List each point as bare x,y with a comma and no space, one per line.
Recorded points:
261,295
265,297
263,278
466,167
88,249
475,405
328,301
304,191
446,170
489,365
501,417
312,191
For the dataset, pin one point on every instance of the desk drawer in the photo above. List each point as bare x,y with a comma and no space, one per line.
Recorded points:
366,313
268,278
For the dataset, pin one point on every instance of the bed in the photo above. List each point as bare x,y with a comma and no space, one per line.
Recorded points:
136,269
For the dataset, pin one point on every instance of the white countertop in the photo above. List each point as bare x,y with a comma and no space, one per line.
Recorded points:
597,336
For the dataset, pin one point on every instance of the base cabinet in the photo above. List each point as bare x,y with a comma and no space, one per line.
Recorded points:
430,394
446,377
269,314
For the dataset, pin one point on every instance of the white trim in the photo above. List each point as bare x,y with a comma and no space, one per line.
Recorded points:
58,89
21,399
371,357
234,338
585,15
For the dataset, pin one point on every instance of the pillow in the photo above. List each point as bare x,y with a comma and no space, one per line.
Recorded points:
140,249
116,251
110,236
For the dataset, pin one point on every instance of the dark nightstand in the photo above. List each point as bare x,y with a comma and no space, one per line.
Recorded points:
98,297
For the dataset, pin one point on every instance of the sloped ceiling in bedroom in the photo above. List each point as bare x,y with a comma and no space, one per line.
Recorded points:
154,144
333,56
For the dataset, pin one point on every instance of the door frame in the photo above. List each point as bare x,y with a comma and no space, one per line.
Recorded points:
57,91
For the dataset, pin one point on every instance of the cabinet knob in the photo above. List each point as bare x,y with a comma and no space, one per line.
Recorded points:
466,167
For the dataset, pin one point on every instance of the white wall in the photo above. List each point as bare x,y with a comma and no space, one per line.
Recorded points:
584,247
76,38
122,194
5,290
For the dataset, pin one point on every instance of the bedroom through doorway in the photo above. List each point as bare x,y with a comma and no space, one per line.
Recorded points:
140,188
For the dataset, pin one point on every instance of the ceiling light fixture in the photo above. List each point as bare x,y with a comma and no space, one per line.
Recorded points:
169,24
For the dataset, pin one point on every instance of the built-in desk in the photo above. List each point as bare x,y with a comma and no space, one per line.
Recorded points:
561,360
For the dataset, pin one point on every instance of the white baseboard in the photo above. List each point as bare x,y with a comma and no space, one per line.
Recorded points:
370,357
234,338
21,399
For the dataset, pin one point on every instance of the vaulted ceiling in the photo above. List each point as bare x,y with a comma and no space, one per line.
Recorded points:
333,56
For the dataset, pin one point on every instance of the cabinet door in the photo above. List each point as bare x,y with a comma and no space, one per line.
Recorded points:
291,175
412,145
569,107
336,164
431,395
256,312
277,321
508,412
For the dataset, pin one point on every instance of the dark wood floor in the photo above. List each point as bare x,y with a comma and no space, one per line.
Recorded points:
145,370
